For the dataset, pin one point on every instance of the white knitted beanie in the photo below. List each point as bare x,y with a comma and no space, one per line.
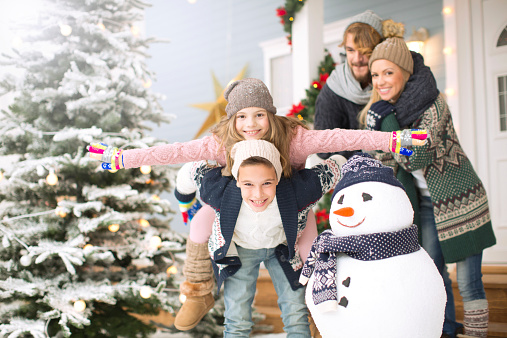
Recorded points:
246,149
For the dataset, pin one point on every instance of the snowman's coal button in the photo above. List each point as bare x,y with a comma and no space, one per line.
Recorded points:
346,282
343,302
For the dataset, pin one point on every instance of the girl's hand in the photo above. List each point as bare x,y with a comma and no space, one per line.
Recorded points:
407,137
111,156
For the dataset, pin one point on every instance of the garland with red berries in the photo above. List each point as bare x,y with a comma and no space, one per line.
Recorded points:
287,14
305,110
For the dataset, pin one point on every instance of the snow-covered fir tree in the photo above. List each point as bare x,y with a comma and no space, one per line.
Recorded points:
81,247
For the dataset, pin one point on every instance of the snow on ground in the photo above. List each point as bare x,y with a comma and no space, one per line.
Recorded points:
185,335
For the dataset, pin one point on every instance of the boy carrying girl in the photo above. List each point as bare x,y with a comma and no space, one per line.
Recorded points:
259,217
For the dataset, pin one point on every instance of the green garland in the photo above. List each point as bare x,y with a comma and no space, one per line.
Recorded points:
287,14
305,110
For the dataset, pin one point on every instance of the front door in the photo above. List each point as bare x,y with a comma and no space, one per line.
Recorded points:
495,56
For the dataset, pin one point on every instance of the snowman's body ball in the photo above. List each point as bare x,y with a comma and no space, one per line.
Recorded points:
401,296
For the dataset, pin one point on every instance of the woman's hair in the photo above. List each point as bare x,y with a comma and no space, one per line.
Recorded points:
365,37
376,97
256,160
280,132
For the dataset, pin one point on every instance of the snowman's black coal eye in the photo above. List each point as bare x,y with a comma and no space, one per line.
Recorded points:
366,197
340,201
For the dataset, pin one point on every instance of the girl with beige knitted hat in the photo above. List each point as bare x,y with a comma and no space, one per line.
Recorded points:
454,218
250,115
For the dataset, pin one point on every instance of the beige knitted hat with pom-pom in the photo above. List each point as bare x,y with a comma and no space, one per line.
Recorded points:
393,48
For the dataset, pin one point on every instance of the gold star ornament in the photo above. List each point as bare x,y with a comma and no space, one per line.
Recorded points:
216,109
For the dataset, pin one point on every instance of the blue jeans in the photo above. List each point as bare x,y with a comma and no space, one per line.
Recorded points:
431,244
239,292
469,276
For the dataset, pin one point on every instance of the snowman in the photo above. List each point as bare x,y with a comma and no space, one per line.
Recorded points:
368,276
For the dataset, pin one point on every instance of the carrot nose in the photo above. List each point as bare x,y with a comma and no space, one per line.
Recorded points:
346,212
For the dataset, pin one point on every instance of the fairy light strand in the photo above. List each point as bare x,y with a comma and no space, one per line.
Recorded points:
10,234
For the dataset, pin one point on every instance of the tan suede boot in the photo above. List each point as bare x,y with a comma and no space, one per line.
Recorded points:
197,288
313,328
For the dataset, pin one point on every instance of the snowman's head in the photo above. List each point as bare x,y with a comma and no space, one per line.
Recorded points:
368,199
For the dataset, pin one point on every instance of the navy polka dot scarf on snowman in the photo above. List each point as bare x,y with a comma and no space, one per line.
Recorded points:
322,258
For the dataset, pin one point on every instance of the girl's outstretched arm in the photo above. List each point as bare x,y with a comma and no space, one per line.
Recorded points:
206,148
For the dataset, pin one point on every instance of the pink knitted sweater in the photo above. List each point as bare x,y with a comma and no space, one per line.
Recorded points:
304,143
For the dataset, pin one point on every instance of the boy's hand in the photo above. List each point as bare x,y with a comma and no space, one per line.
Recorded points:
407,137
111,156
189,209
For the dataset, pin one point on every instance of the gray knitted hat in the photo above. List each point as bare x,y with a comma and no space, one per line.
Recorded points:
395,50
247,93
370,18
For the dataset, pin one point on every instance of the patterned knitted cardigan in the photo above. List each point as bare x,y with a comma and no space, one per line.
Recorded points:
460,204
295,197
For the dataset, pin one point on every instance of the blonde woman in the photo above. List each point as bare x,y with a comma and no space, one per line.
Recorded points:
454,213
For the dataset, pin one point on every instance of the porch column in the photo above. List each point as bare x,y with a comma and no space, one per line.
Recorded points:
307,46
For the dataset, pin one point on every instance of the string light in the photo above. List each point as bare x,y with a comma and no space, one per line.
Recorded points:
144,223
145,292
25,260
87,248
16,42
101,26
145,169
65,30
155,242
147,83
172,270
153,197
450,92
60,212
52,179
1,175
80,305
113,227
447,10
182,298
447,50
135,30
